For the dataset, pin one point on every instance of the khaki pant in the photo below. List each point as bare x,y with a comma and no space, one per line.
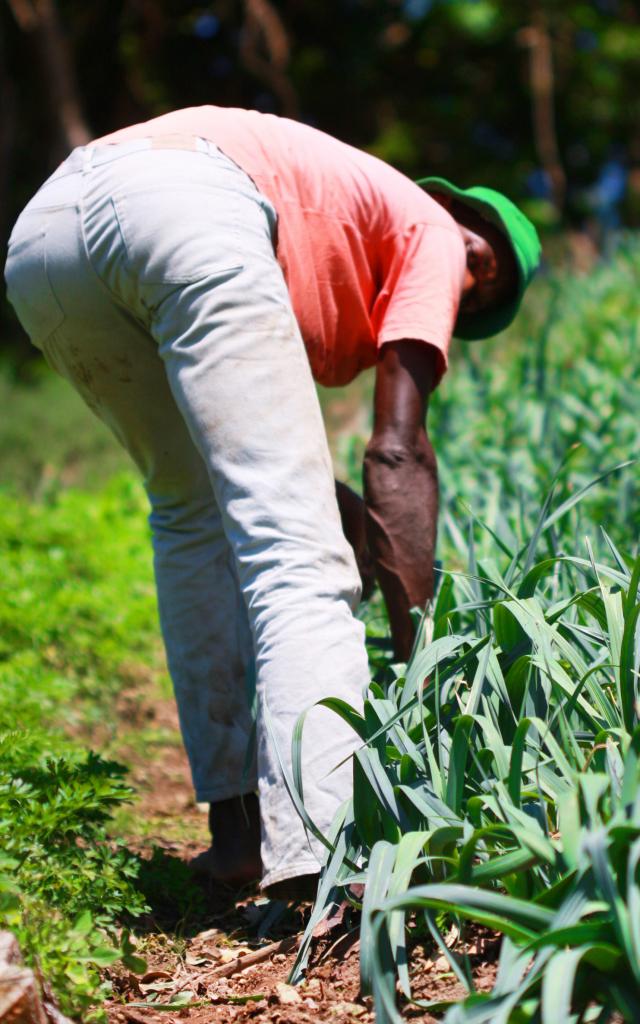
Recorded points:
148,278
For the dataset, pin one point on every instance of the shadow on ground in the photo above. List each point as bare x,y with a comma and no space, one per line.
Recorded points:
183,907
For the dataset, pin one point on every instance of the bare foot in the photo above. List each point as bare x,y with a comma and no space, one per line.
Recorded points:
234,855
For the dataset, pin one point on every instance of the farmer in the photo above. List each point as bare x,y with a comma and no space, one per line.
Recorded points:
191,276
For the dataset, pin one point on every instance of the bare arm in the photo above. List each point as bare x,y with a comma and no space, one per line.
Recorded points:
401,485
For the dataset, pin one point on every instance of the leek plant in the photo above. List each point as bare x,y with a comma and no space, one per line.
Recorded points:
496,778
497,781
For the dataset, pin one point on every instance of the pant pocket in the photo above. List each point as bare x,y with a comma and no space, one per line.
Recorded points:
178,234
28,287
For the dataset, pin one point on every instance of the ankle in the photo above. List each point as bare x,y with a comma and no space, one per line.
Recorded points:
240,813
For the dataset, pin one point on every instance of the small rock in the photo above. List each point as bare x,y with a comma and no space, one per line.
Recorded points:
352,1009
287,995
19,997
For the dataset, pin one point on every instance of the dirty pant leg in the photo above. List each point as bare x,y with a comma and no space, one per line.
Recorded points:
208,643
242,381
239,373
114,364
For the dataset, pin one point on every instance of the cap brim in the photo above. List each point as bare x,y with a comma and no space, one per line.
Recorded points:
484,208
478,326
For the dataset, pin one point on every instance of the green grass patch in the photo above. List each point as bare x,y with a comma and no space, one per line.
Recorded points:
76,606
48,437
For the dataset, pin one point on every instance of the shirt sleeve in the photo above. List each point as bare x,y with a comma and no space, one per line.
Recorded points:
423,273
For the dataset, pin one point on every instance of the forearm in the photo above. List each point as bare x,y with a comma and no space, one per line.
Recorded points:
401,495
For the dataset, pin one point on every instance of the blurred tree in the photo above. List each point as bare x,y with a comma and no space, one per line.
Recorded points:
265,52
40,20
535,97
536,37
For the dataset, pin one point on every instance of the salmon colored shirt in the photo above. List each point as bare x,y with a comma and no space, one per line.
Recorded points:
368,257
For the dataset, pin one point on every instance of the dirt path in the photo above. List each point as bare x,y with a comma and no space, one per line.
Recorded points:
199,945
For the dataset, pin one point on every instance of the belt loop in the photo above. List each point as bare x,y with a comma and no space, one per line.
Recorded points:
87,158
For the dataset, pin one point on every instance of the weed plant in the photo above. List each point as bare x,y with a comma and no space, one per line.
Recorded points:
76,606
63,884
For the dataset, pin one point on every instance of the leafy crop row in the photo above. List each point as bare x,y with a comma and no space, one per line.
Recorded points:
497,780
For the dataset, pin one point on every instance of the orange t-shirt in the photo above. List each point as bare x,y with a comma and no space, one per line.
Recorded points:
368,257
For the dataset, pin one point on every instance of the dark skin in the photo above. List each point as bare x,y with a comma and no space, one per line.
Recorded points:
400,509
393,531
401,485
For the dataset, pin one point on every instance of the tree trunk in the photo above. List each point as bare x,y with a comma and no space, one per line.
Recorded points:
41,20
7,138
264,51
537,39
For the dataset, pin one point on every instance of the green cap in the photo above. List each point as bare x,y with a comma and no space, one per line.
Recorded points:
525,244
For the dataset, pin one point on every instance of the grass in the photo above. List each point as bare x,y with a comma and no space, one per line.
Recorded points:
497,774
48,438
77,604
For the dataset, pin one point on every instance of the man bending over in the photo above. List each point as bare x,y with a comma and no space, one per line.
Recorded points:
191,277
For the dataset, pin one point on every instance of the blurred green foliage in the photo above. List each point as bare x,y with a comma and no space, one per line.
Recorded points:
77,603
433,86
48,438
563,375
429,84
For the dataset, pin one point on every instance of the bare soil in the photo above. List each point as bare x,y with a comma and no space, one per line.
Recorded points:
199,943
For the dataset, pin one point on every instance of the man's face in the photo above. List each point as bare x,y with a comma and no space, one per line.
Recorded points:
491,277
